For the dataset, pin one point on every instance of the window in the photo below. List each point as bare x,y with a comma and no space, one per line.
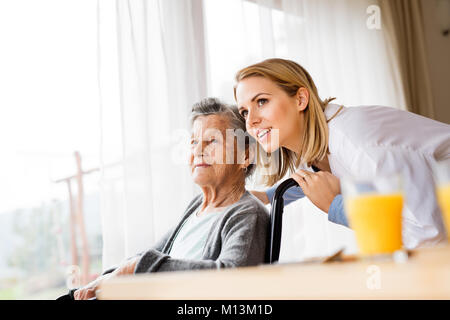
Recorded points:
48,110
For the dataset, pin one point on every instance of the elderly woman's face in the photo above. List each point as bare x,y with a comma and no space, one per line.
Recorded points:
209,149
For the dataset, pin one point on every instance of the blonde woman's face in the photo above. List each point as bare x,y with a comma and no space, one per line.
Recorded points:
272,117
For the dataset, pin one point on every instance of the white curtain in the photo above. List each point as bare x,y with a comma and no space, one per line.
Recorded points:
156,58
151,71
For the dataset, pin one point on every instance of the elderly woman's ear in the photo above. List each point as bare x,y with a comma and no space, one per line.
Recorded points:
249,159
251,154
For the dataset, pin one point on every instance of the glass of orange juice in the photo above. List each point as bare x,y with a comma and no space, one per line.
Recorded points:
441,172
374,210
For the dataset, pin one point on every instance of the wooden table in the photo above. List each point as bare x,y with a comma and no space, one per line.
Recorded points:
425,275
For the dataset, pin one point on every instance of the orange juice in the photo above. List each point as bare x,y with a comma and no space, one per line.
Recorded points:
443,195
377,222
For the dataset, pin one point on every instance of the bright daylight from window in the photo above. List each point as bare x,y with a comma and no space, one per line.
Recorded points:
48,110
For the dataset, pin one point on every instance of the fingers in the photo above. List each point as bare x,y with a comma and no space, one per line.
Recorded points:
315,178
84,294
303,175
309,180
80,294
301,181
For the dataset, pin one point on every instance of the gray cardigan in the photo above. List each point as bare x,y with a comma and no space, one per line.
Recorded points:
237,238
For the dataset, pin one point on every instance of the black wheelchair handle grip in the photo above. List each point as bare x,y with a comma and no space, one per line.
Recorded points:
276,218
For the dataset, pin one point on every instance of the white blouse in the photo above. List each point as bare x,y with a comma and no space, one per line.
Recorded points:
368,141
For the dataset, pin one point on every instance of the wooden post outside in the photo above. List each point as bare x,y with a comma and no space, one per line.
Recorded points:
85,260
77,219
73,223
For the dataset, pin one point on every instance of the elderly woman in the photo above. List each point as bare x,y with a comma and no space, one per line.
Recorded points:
225,225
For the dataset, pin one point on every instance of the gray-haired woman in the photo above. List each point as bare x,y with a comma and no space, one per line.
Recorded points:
225,225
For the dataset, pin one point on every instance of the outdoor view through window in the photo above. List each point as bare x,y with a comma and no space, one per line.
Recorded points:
48,111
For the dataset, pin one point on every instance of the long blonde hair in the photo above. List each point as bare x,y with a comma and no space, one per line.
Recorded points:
290,76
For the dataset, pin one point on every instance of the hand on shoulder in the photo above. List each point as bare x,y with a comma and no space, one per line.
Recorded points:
320,187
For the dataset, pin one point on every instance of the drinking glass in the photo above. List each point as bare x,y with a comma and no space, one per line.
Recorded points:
374,210
441,172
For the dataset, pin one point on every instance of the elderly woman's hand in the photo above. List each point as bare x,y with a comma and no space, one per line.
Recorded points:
89,290
320,187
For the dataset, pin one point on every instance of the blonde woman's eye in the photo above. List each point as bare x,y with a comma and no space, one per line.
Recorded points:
261,101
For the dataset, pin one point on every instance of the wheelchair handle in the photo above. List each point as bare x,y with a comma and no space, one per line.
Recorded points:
276,218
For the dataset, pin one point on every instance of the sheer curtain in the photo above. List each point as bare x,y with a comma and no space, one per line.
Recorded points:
158,57
151,71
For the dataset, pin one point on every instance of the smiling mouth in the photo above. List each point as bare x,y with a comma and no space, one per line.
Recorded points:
263,133
202,165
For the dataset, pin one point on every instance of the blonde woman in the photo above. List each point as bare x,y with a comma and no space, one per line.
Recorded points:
278,98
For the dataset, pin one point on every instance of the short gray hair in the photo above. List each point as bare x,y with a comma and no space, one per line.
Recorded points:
213,106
